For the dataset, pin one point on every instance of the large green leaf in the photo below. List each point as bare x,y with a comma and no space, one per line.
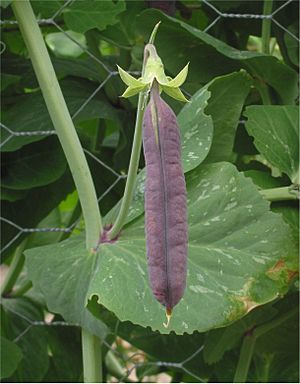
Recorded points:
35,116
33,165
19,316
237,260
85,15
70,290
35,205
276,135
210,57
65,346
228,94
11,355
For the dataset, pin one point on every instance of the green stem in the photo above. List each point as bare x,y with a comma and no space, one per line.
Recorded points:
244,359
21,290
61,119
266,27
248,345
133,167
15,269
135,152
263,90
266,327
92,358
66,132
279,194
115,368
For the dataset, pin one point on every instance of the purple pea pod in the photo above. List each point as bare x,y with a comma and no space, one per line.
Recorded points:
165,203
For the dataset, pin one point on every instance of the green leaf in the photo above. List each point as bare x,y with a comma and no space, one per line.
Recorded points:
32,340
129,80
263,179
228,94
276,135
12,194
292,44
175,93
35,116
290,214
85,15
221,340
196,130
65,347
70,304
131,91
234,245
11,355
37,204
34,165
47,8
64,46
153,343
210,57
180,78
5,3
7,80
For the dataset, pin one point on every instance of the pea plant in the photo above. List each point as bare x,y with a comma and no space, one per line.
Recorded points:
175,197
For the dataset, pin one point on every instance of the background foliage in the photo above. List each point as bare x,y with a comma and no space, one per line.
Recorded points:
239,137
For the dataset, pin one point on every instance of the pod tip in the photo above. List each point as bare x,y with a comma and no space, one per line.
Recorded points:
168,315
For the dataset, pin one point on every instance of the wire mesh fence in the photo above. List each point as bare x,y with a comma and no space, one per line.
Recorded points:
128,363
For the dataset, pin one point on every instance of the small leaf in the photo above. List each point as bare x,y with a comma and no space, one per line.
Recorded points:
11,355
129,80
131,91
180,78
85,15
175,93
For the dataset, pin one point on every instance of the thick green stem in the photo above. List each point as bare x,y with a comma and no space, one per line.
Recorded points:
66,132
135,152
92,358
266,27
244,359
61,119
248,345
279,194
15,269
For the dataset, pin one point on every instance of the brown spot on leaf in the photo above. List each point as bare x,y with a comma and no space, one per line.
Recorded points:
279,270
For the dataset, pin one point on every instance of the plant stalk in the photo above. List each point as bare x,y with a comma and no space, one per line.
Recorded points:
266,27
244,359
248,345
279,194
133,167
61,119
135,152
15,269
92,358
19,292
69,140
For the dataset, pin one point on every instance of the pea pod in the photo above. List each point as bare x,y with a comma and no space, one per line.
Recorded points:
165,203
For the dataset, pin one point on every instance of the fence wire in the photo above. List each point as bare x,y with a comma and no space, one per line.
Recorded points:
129,365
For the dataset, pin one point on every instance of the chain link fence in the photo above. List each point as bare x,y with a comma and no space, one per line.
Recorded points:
129,363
